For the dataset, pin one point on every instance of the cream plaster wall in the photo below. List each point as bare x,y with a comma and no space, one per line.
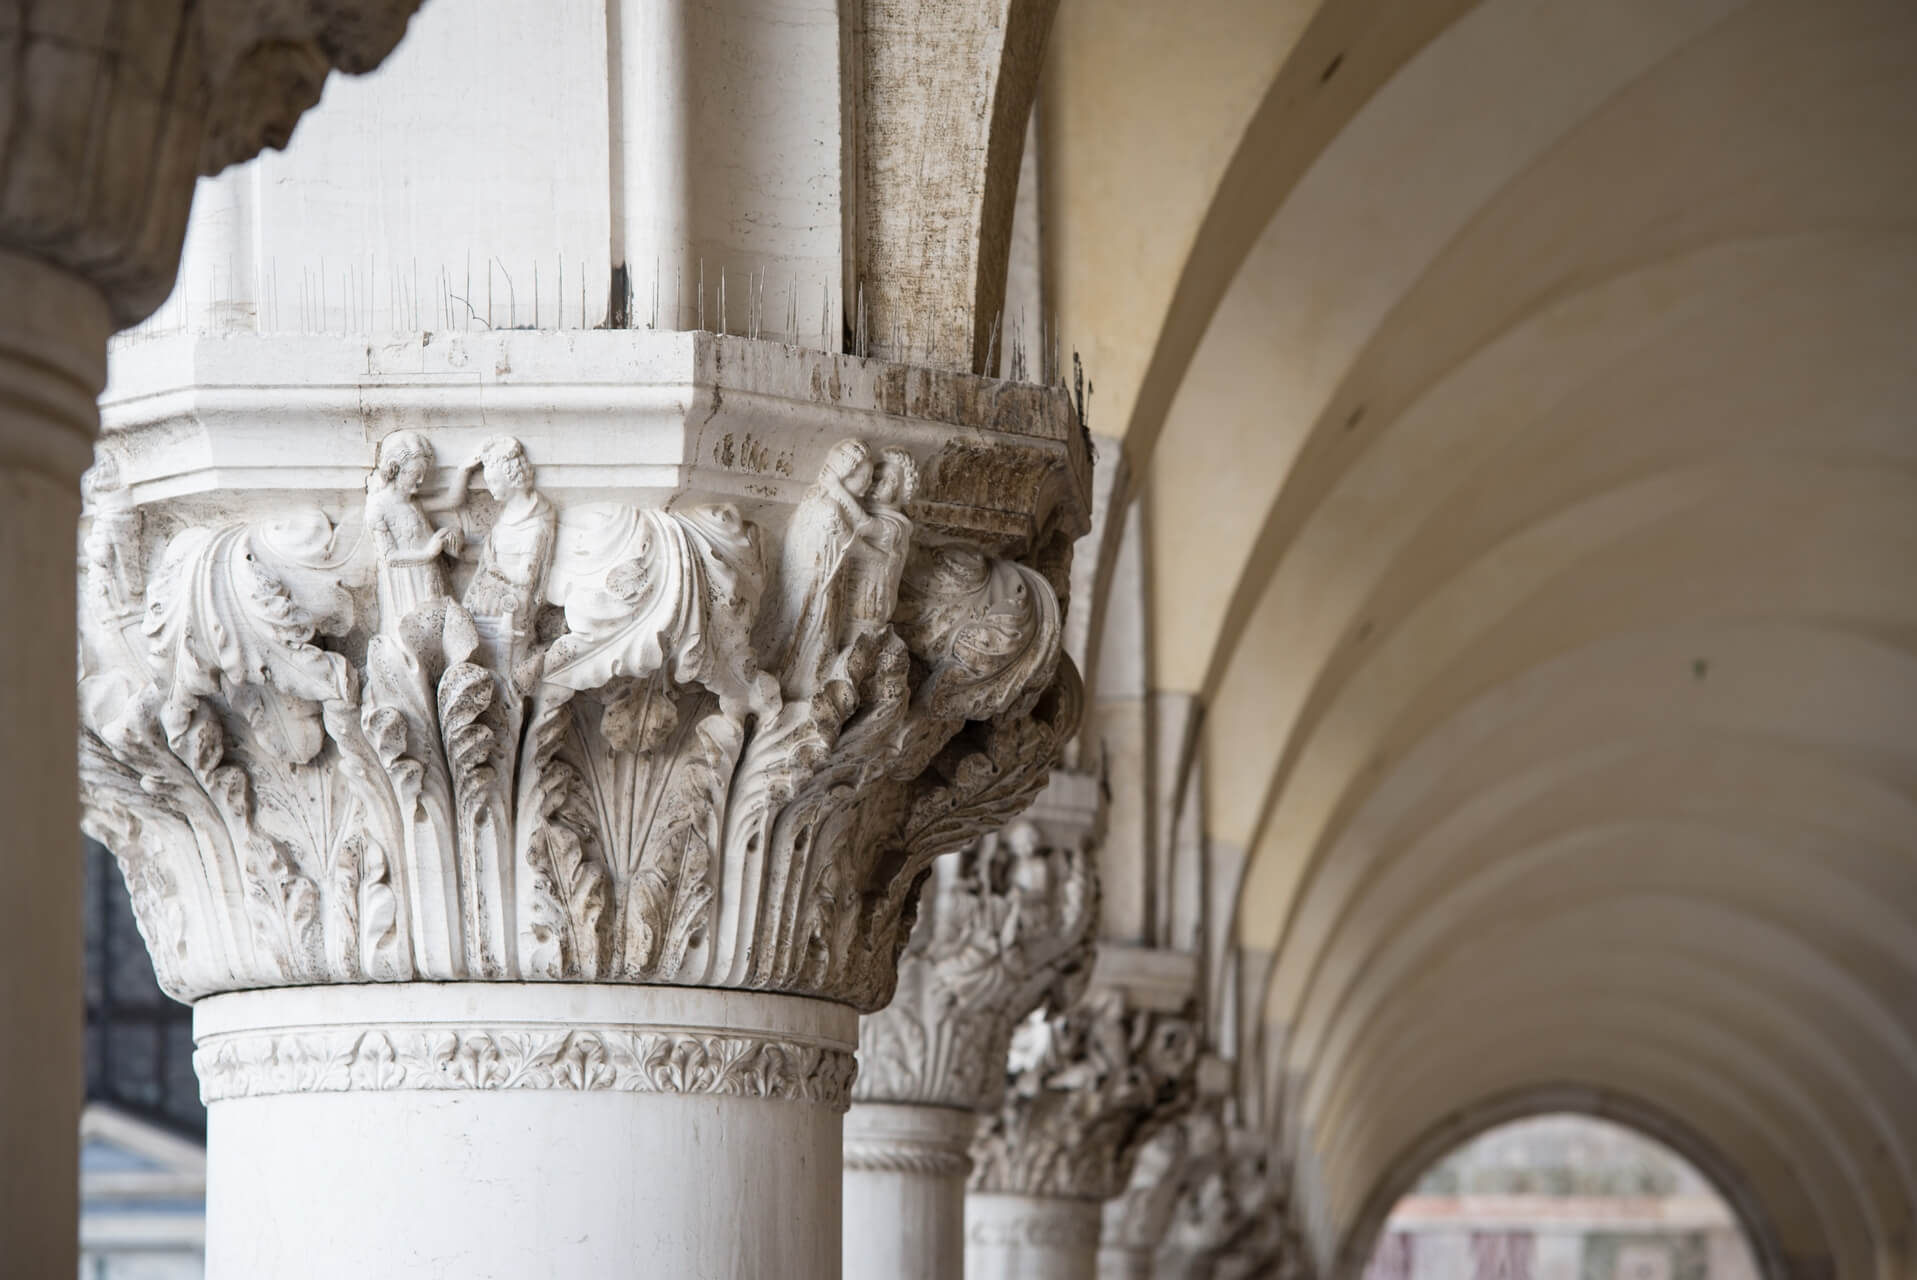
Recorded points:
1532,493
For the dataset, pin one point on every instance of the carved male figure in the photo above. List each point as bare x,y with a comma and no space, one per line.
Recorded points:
503,595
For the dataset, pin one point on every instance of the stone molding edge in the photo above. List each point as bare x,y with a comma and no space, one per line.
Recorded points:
1046,1222
523,1056
925,1158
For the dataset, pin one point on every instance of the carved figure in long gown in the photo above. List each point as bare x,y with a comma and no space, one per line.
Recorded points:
810,623
503,595
1036,911
876,559
115,579
411,585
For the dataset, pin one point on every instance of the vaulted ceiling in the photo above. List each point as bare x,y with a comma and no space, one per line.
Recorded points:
1522,398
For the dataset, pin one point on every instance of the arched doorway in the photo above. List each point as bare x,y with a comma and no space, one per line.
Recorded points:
1563,1197
1563,1184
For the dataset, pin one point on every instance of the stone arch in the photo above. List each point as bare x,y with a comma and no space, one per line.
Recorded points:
1598,1103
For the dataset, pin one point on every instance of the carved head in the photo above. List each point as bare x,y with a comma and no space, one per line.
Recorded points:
102,477
851,462
504,466
896,479
1031,864
402,462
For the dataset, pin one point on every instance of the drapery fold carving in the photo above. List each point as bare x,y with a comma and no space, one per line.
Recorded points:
586,743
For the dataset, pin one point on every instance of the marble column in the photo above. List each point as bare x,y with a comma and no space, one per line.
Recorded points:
1006,927
1086,1090
524,750
111,111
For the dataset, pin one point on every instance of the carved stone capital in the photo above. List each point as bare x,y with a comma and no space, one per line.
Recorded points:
114,109
1086,1089
1006,927
1227,1218
1137,1219
691,696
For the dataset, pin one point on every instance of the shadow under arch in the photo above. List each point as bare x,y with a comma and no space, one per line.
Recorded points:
1596,1103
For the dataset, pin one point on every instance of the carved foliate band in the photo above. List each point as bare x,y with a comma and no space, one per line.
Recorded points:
513,740
650,1060
1010,928
1085,1090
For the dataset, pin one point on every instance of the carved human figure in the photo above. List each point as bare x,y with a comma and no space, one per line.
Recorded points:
1033,883
114,576
408,544
876,558
503,595
814,606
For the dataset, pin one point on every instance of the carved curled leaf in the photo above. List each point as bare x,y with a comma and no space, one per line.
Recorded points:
217,619
990,630
465,695
343,906
671,894
572,900
285,909
380,953
655,592
571,894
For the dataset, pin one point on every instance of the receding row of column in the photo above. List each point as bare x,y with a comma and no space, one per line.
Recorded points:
1034,1105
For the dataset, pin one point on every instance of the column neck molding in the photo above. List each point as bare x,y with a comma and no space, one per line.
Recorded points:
256,1044
908,1138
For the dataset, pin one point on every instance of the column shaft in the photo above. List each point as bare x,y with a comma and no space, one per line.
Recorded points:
53,335
514,1132
1123,1262
905,1168
726,135
1020,1237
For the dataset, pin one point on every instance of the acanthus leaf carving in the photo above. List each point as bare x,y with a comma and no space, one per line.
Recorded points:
1006,927
587,743
1085,1090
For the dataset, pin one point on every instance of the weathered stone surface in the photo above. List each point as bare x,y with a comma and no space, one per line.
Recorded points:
687,696
1007,927
1086,1089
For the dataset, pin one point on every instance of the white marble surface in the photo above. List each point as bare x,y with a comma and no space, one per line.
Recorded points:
527,1177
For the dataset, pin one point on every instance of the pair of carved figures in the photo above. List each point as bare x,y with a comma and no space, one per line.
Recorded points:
502,597
625,751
